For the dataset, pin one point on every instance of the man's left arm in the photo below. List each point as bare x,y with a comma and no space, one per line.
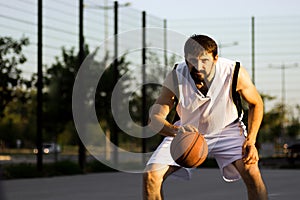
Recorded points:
250,94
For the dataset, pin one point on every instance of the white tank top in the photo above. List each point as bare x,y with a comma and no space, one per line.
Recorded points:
216,110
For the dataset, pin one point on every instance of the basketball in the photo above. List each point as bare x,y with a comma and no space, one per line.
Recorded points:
189,149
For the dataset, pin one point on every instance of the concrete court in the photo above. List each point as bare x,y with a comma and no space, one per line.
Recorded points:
205,184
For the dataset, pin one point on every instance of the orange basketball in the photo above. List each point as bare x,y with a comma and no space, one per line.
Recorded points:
189,149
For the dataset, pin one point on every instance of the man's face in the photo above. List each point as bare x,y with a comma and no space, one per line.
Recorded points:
202,66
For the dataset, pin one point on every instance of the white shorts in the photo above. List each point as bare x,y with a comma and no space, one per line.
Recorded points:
225,147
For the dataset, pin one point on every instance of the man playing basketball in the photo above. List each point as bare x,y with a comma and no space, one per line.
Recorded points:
203,86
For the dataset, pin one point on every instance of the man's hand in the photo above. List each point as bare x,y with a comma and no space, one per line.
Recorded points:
250,153
187,128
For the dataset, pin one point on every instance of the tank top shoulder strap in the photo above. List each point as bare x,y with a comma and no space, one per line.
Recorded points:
235,95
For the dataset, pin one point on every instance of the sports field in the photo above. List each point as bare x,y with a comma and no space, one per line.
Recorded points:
206,184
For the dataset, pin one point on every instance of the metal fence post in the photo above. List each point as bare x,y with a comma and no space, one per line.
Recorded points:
144,92
39,139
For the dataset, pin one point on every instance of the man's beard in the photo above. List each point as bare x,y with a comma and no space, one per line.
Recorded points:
198,79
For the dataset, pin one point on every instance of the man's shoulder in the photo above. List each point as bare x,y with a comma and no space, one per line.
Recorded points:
226,61
226,66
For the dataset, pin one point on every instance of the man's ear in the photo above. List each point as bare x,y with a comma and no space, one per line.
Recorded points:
216,57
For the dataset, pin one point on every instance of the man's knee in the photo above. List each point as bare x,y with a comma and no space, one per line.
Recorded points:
252,171
152,184
152,178
252,177
255,183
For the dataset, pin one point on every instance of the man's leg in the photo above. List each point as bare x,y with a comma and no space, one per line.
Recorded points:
253,180
153,178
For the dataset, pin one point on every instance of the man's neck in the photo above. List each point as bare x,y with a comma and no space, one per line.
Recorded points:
211,76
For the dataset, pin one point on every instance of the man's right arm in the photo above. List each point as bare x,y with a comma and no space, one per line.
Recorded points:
160,111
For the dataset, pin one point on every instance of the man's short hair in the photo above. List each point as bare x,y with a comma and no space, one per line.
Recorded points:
197,44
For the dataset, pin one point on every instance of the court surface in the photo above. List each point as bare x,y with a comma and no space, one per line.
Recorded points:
205,184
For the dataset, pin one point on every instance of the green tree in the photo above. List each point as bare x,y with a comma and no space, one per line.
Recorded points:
280,123
270,129
14,93
59,81
11,57
103,101
155,72
293,128
19,121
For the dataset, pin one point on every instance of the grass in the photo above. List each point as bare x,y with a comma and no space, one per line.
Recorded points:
60,168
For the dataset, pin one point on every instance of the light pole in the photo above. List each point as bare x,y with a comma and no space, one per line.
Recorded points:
283,67
113,136
106,7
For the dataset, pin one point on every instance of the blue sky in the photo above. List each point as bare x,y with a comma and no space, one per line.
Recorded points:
171,9
274,20
277,31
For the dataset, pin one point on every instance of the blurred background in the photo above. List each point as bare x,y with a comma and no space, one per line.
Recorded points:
43,44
